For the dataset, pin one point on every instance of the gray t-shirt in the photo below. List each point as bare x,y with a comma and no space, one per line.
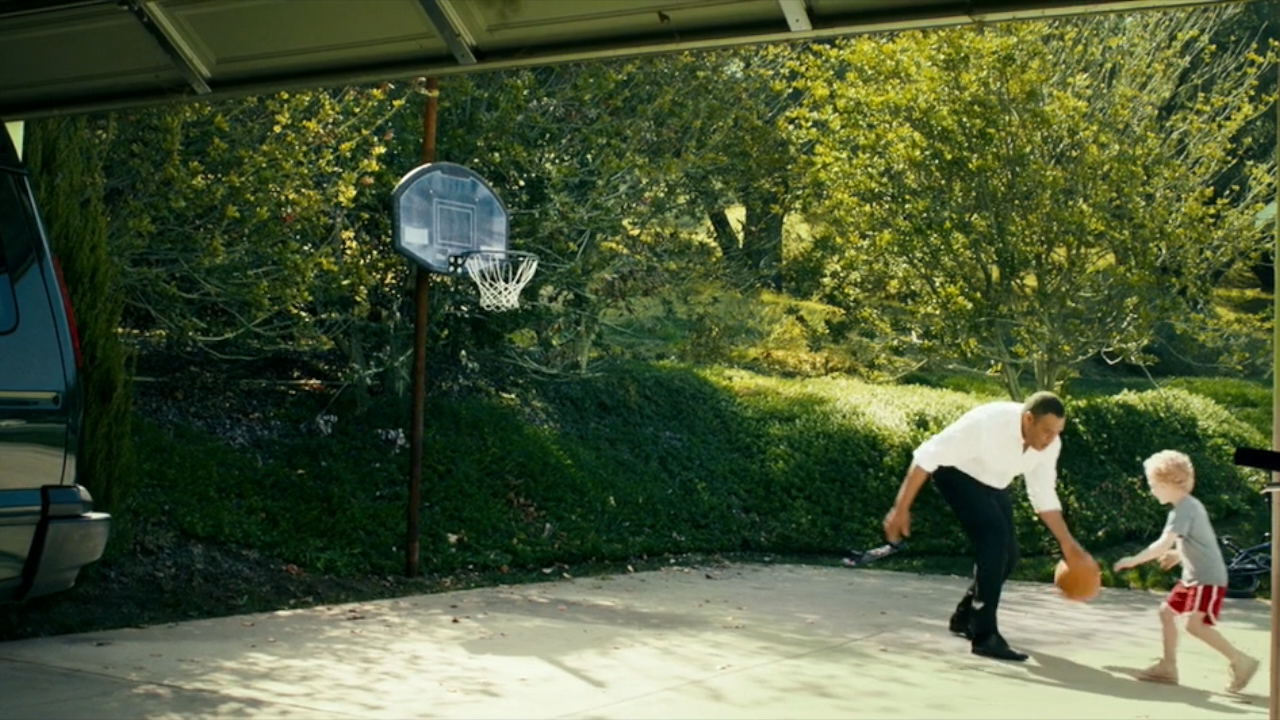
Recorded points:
1202,561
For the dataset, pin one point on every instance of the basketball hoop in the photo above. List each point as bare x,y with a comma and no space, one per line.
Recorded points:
447,220
500,275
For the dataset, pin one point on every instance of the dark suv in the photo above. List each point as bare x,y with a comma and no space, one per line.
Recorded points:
48,529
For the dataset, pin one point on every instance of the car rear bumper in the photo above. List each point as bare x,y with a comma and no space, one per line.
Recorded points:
70,543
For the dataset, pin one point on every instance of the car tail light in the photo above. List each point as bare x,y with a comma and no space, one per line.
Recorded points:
71,313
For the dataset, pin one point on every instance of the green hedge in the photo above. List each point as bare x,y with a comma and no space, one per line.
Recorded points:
647,460
1103,489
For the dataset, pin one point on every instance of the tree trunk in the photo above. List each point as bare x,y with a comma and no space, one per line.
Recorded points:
396,375
726,237
588,327
1011,377
1043,374
1265,271
352,346
762,237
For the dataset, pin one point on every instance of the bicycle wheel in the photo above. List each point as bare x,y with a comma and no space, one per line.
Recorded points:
1242,585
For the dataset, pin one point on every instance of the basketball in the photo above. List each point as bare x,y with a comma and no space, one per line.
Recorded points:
1078,584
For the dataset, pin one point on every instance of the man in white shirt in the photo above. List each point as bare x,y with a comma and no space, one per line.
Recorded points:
973,461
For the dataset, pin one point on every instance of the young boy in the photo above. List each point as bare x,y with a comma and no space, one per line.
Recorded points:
1199,593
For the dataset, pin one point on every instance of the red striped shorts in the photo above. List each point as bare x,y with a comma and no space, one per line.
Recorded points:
1207,599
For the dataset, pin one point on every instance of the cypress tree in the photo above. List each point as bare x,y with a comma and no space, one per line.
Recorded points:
65,159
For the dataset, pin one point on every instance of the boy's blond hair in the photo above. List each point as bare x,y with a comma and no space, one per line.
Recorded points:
1172,469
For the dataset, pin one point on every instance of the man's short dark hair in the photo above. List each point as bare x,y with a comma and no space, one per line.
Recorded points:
1044,403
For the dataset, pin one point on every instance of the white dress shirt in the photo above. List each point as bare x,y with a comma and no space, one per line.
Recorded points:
986,443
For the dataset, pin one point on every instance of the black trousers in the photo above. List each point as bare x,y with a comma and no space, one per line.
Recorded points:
986,514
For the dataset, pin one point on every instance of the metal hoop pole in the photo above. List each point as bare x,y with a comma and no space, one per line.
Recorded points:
421,291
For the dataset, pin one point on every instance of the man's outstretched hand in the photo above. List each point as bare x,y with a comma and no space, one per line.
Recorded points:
897,524
1077,557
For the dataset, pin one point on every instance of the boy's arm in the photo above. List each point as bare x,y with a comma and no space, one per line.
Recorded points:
1161,546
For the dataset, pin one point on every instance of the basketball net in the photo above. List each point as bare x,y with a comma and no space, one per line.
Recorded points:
500,275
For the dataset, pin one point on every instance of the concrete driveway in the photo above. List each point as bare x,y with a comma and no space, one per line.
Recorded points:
742,641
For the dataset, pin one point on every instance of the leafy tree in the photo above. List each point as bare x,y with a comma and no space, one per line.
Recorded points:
65,157
712,143
611,171
259,225
1026,196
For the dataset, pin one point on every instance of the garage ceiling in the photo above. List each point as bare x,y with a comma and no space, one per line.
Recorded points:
66,56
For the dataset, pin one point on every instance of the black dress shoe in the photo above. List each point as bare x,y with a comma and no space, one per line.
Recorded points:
962,624
994,646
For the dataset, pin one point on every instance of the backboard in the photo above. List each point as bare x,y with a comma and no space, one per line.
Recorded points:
443,210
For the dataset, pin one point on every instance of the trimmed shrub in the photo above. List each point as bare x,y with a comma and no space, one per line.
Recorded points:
1103,488
653,459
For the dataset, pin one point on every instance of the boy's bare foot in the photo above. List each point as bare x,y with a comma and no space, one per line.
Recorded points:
1242,671
1161,672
